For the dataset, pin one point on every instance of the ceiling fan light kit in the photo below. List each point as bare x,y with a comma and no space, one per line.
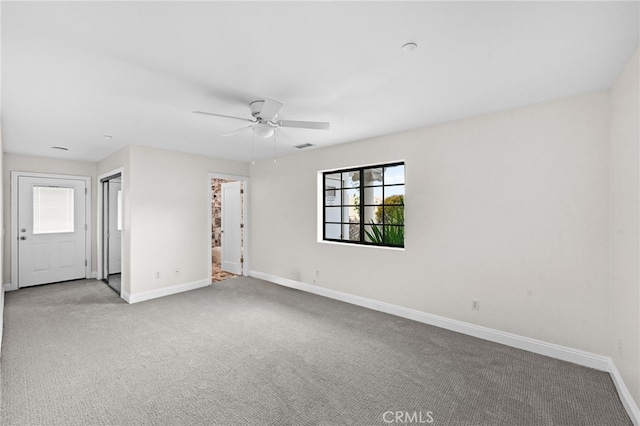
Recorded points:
263,130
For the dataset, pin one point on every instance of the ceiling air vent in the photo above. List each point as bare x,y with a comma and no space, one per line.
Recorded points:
303,146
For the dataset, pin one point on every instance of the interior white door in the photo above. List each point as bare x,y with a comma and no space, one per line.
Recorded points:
115,227
51,230
231,251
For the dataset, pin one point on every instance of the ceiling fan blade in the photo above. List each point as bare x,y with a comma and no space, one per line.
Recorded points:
270,109
225,116
320,125
236,131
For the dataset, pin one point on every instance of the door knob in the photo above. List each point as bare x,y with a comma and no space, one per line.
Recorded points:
23,230
23,238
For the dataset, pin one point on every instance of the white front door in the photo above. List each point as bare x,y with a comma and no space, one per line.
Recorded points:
51,230
115,227
231,252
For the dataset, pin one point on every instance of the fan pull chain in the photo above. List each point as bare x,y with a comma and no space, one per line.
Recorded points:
274,146
253,147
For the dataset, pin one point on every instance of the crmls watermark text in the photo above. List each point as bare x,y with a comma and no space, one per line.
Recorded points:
408,417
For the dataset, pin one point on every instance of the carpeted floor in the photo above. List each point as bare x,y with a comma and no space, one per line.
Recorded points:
247,352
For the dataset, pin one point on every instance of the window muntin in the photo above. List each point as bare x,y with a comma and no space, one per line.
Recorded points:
365,205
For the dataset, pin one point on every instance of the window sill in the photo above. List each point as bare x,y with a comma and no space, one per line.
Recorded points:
371,246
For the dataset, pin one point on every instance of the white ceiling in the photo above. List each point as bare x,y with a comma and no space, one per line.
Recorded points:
73,72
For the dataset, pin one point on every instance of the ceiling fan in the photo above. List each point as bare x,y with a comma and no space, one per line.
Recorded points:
265,119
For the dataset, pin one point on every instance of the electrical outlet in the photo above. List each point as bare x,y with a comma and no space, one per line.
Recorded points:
475,305
157,275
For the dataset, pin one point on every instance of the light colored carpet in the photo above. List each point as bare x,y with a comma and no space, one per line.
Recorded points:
247,352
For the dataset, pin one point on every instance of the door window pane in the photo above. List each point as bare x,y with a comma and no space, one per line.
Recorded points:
52,210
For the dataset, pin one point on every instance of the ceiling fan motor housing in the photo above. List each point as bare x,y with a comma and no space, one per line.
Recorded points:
256,107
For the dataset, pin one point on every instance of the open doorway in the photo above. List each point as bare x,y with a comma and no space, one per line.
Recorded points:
227,228
111,231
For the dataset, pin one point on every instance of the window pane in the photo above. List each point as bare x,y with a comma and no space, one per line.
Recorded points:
393,215
394,235
354,232
353,213
332,231
394,174
373,233
372,195
351,196
351,179
332,196
52,210
394,194
373,176
373,214
333,214
332,180
385,234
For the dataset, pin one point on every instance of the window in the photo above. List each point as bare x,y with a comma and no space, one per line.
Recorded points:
365,205
52,210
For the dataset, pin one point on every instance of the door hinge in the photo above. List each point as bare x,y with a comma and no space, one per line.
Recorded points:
85,262
242,226
241,259
242,191
85,191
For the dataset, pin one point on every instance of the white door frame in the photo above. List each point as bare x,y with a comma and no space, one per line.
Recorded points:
245,210
114,213
14,220
99,209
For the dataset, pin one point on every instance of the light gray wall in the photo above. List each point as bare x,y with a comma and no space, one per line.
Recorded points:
167,213
625,225
508,208
26,163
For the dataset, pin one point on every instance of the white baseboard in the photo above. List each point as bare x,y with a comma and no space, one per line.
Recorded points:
625,395
166,291
11,287
552,350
